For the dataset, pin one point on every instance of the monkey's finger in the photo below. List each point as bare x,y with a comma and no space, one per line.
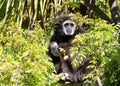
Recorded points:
65,57
62,51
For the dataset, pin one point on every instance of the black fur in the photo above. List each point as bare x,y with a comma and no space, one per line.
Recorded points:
64,41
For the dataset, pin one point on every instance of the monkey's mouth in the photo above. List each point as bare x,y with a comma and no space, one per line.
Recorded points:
69,32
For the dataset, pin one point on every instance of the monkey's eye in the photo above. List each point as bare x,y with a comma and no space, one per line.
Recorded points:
72,24
66,24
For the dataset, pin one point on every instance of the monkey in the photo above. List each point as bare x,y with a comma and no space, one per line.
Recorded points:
65,31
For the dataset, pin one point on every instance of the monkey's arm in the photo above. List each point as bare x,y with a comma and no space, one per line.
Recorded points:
54,54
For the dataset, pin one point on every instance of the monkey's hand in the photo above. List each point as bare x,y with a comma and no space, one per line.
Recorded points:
57,51
54,49
62,53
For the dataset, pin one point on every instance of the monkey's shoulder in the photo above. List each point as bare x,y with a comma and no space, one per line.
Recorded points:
80,29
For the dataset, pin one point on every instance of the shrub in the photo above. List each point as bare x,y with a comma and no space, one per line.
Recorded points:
23,59
101,42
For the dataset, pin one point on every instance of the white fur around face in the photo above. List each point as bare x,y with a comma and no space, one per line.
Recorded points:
68,29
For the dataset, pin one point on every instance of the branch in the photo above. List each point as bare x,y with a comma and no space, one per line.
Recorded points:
98,11
98,81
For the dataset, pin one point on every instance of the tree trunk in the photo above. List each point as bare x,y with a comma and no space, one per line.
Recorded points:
114,11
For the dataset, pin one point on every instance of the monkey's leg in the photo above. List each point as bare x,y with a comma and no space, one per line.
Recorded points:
68,75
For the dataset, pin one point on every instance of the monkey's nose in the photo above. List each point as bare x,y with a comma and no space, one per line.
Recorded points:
69,30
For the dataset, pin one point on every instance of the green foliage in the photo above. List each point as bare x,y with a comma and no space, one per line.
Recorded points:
112,68
104,6
102,44
23,59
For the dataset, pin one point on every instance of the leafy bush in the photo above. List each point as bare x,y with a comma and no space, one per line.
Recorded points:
23,59
101,42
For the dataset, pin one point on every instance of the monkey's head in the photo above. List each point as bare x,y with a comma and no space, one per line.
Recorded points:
65,25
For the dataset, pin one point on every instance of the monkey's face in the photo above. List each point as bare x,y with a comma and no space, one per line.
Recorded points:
69,27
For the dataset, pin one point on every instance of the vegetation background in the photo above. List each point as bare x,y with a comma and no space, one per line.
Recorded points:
25,30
